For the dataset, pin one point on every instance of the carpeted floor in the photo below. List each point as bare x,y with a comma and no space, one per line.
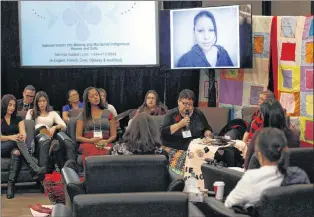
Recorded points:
19,206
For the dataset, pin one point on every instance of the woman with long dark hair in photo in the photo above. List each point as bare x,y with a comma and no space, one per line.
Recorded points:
96,126
205,52
271,150
13,138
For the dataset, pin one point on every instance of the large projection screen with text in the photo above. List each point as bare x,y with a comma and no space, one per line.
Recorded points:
88,33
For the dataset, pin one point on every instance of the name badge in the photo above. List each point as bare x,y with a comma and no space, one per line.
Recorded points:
186,134
97,134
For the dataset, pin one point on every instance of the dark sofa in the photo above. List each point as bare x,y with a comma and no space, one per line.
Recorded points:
121,174
161,204
41,142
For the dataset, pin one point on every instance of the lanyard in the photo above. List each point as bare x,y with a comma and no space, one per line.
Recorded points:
95,125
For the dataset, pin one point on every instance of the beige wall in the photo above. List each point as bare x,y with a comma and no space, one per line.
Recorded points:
278,8
290,8
256,5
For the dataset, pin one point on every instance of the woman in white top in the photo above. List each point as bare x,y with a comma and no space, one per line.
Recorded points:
271,150
111,108
46,122
43,115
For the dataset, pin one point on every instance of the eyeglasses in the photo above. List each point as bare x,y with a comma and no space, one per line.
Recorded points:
29,96
190,104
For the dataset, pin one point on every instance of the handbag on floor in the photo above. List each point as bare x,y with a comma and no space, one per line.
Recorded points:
53,186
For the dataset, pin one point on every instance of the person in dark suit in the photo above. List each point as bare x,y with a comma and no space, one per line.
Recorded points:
205,53
27,102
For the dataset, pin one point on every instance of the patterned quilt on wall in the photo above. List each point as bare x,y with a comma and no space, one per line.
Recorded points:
241,87
292,62
293,71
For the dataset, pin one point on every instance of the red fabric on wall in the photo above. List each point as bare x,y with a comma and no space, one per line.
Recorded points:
274,55
288,52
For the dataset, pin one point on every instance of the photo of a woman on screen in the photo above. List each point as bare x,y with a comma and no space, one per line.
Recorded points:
205,52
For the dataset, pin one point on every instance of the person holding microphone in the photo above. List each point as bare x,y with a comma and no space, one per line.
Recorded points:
181,125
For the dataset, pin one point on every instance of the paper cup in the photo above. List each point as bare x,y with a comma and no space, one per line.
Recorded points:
219,190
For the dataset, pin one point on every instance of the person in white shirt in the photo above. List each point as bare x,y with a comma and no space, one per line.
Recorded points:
111,108
271,150
43,115
46,122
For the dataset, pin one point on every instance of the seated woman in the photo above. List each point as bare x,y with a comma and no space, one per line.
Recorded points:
47,122
142,137
151,105
103,95
271,115
205,53
13,138
74,104
271,149
264,96
96,126
182,125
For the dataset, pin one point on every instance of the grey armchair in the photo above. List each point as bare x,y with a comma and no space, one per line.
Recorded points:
288,201
121,174
161,204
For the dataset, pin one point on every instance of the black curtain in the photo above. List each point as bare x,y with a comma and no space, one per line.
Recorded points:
181,4
126,87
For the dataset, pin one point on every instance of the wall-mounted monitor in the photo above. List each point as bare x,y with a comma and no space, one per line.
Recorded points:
206,37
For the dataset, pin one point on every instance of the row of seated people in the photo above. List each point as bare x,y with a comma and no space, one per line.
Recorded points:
100,118
96,129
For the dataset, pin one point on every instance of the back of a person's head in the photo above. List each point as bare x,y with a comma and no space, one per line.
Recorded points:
143,134
277,117
273,114
269,95
272,144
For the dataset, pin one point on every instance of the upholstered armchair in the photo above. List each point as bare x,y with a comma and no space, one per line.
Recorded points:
288,201
121,174
147,204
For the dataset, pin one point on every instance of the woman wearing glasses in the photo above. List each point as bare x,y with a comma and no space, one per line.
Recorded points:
74,104
182,125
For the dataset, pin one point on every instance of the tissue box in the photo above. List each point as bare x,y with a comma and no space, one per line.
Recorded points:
196,197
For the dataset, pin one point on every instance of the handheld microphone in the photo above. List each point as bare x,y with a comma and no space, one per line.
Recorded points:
187,114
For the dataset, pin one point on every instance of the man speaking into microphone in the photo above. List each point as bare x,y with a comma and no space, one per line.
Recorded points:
182,125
